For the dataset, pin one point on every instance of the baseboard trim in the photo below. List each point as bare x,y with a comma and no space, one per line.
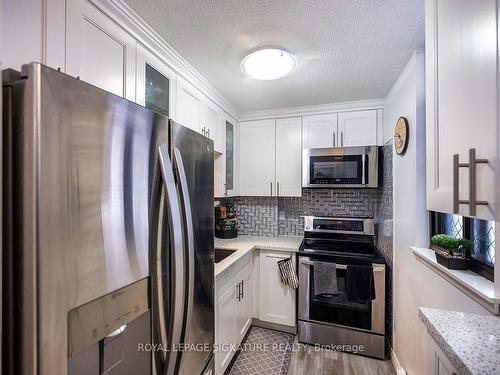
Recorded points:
277,327
395,362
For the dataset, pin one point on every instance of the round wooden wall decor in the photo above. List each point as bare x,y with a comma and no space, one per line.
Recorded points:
401,135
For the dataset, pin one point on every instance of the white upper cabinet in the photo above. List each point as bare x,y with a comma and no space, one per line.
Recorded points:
320,131
99,51
288,157
270,157
210,123
155,88
257,158
188,110
461,104
357,128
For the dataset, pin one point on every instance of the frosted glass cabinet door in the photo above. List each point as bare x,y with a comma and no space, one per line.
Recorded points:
461,101
155,83
229,183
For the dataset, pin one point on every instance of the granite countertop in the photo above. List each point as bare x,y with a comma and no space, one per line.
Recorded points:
245,244
470,341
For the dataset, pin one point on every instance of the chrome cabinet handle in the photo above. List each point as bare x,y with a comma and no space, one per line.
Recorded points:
173,333
208,131
242,289
342,138
238,296
278,189
472,164
334,139
271,188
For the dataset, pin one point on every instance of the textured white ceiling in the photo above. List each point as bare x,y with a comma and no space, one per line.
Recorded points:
346,49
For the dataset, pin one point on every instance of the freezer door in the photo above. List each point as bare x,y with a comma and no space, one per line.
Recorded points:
84,162
193,160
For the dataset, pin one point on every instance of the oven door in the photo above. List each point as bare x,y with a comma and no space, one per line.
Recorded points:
337,310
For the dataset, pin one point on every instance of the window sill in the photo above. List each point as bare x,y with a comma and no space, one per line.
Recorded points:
475,286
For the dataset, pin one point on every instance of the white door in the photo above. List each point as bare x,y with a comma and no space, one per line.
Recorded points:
99,51
244,304
357,128
155,85
257,158
188,109
461,101
276,301
225,327
320,131
289,157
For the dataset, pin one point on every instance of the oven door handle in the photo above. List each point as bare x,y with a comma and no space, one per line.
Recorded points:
376,268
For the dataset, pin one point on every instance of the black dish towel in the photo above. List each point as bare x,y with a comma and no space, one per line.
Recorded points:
359,283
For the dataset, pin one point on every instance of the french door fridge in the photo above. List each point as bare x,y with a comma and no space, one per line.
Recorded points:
108,233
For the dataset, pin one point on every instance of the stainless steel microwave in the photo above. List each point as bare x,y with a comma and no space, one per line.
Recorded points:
338,167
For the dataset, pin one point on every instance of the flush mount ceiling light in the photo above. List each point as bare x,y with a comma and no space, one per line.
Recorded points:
269,63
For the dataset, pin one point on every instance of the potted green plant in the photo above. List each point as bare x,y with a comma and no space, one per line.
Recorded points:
451,252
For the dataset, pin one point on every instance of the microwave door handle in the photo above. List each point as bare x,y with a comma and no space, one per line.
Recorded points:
363,168
176,234
188,230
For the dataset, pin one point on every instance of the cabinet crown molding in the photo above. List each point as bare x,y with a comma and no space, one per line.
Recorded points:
357,105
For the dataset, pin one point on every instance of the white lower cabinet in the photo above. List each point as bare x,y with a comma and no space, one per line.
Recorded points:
276,301
437,362
233,312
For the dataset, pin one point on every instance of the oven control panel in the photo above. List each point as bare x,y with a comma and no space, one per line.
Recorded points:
338,225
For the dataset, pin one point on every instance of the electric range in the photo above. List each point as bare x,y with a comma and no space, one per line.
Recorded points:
334,320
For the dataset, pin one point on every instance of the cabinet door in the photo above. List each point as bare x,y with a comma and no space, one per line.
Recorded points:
244,305
257,158
225,332
289,157
155,87
188,110
357,128
320,131
437,362
461,101
99,51
209,124
276,301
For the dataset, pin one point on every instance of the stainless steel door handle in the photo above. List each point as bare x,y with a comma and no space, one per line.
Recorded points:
472,164
242,289
363,167
342,138
238,292
208,131
278,189
175,322
334,139
188,231
271,188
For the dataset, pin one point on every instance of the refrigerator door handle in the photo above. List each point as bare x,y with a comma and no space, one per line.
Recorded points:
188,230
168,336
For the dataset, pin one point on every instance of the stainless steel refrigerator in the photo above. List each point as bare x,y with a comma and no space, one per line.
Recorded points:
108,233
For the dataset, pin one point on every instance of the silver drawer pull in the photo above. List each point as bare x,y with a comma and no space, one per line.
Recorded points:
472,201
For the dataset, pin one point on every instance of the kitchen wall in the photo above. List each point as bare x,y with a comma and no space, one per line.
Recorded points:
414,283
